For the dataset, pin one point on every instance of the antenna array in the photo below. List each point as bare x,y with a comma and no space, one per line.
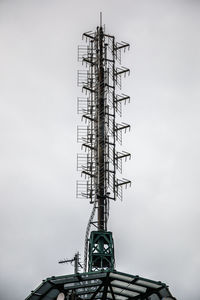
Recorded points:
100,162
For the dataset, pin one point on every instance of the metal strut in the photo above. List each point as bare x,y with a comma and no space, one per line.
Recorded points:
101,134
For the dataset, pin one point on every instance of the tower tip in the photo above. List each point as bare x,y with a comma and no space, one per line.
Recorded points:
100,19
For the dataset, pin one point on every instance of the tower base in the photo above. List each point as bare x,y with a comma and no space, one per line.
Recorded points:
101,251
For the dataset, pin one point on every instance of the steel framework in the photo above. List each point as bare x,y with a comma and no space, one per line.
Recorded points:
101,286
99,136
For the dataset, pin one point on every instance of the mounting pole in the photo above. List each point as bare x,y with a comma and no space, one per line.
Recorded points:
100,19
101,135
74,260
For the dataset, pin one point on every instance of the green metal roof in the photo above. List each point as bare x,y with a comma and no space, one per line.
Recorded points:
100,285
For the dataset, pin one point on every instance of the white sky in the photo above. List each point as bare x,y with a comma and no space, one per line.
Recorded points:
156,228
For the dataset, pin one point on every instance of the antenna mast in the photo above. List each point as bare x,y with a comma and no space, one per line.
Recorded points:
99,138
100,164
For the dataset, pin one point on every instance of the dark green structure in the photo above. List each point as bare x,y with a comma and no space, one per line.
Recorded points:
101,251
100,285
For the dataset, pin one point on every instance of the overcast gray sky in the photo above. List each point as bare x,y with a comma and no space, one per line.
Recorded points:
156,227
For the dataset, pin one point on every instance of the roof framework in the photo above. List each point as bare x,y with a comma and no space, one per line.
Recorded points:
100,285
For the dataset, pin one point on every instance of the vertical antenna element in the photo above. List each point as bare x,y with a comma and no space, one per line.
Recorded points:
101,197
101,163
100,19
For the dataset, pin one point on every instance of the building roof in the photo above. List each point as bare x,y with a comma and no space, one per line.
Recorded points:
100,285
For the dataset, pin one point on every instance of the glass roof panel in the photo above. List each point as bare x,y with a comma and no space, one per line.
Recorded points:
99,295
124,292
52,294
109,296
121,277
63,280
149,284
129,286
91,289
71,285
88,296
95,275
154,297
118,297
82,284
85,296
44,288
164,293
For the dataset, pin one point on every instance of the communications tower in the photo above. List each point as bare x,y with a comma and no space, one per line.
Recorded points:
100,108
100,164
